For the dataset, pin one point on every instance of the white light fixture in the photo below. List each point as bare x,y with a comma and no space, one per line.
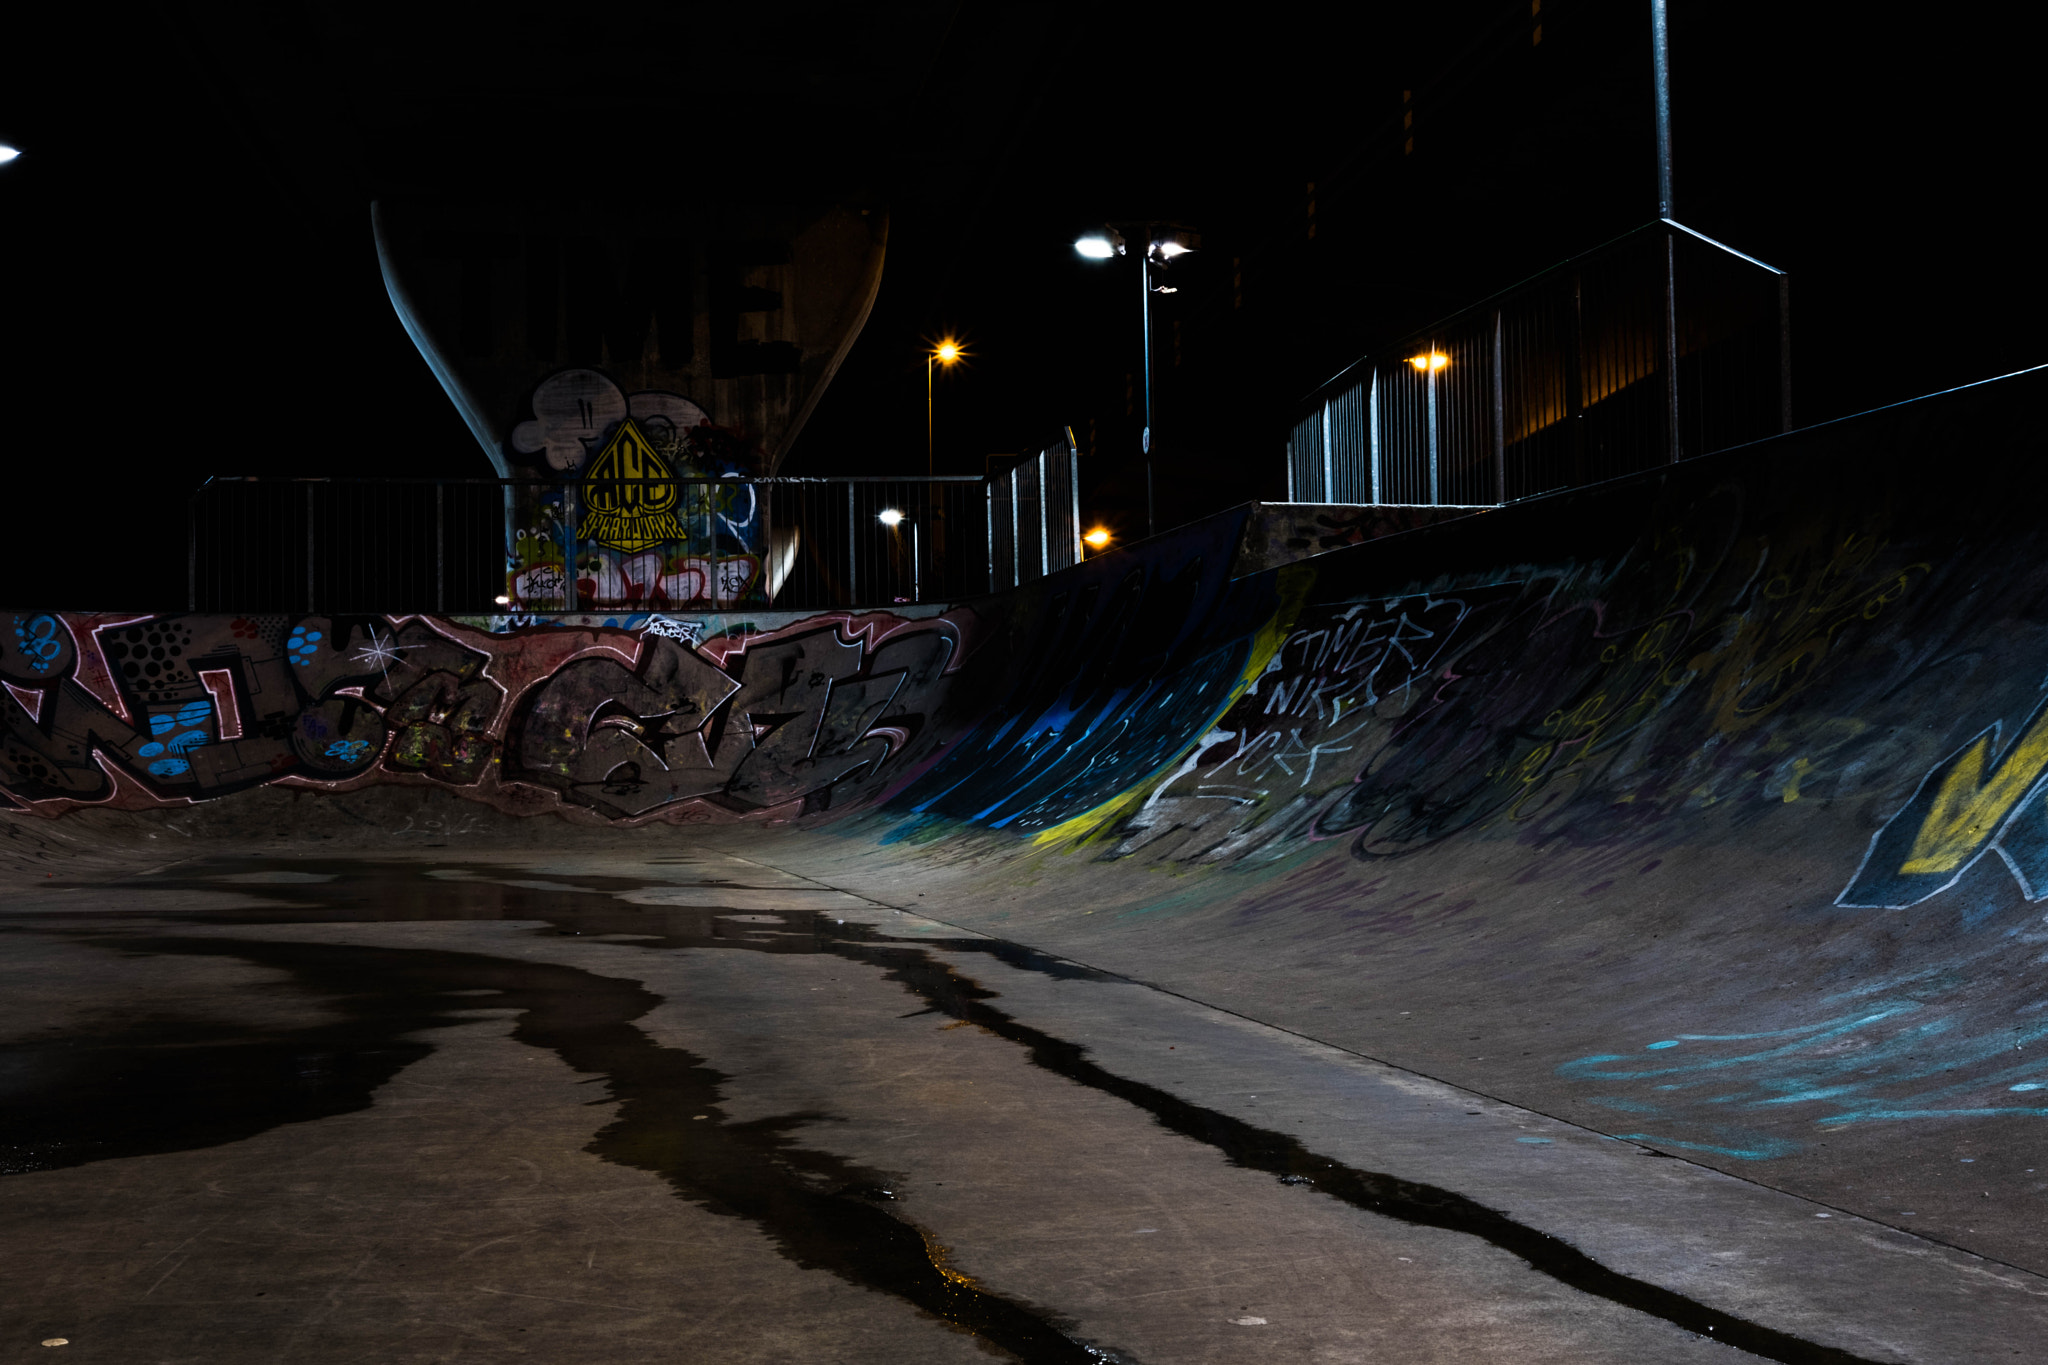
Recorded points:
8,153
504,601
890,517
1101,244
1170,249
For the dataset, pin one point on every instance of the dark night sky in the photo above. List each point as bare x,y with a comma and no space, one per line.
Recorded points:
190,287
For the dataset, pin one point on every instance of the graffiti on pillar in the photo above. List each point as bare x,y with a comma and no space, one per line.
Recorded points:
616,503
656,722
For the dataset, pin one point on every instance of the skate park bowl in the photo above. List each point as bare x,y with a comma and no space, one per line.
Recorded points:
1600,928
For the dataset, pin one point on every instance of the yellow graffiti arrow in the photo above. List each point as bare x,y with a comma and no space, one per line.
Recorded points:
1968,809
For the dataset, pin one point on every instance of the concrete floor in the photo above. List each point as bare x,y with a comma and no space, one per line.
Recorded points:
627,1103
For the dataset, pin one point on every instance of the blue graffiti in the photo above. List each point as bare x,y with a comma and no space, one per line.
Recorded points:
192,713
1890,1059
303,645
348,750
176,733
38,641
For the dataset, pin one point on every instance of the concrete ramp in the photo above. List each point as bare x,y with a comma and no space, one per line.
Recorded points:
1703,808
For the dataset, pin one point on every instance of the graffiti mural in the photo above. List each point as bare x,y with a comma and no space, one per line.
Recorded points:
616,503
1981,798
626,724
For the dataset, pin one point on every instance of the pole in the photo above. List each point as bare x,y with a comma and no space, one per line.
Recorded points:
309,549
440,546
1500,414
1661,64
569,547
852,568
1430,379
1675,451
1145,439
927,414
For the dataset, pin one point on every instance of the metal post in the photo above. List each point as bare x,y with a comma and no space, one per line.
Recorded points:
1074,491
852,597
1145,439
1671,339
1500,414
1372,427
1044,516
1661,65
309,548
916,565
1575,380
1784,353
568,548
440,546
1429,378
1329,462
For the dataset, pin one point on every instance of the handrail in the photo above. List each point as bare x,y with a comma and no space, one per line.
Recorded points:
556,483
1657,344
1494,300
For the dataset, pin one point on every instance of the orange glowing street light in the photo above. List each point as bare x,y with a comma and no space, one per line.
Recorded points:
948,353
1433,361
1097,538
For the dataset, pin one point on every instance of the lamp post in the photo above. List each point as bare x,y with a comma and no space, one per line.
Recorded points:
946,353
1163,242
892,518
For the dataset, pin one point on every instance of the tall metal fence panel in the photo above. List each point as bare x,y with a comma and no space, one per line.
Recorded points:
1660,345
450,545
1034,514
346,545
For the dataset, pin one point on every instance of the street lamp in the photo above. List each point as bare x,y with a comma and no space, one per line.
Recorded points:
1163,242
947,353
892,518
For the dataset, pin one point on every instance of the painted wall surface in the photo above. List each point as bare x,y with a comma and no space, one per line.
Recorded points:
606,493
760,716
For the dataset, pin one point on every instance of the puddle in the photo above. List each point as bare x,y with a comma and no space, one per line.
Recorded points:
823,1212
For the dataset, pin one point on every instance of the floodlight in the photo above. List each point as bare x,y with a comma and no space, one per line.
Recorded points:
1100,244
890,517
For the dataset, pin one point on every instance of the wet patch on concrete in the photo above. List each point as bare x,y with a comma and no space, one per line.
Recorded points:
824,1213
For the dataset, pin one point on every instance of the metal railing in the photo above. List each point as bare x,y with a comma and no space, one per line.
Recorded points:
1659,345
500,545
1034,514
